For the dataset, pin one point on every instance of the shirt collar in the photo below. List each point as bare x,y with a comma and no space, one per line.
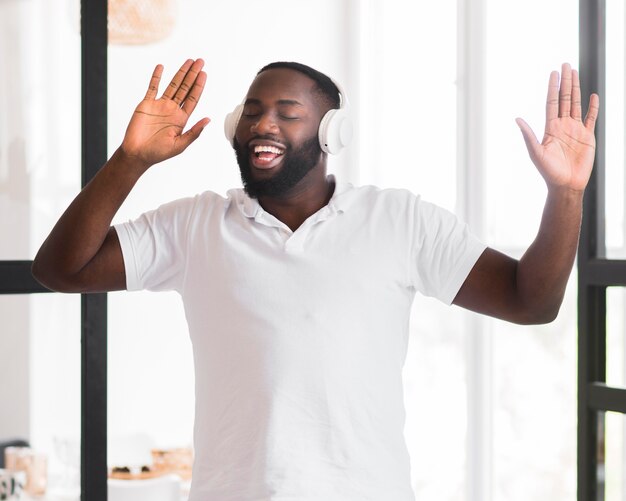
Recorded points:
339,201
251,207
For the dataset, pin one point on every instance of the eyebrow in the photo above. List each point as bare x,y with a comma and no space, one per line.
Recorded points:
283,102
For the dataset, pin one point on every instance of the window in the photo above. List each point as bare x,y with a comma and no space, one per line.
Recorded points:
40,337
602,270
428,88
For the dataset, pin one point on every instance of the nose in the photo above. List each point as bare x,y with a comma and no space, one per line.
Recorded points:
264,125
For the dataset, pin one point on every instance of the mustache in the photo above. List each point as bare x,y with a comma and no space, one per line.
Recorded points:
265,137
268,137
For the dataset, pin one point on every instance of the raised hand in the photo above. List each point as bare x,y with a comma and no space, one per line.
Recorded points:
565,155
155,131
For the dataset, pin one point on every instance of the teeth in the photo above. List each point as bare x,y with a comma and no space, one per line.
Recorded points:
268,149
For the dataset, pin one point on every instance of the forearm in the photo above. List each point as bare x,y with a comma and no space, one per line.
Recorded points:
531,290
544,270
80,232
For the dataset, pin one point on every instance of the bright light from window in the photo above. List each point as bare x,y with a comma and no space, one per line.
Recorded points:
534,387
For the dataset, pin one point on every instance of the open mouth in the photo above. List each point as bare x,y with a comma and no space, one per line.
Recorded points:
265,156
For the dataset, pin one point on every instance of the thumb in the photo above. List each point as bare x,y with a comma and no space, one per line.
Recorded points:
192,134
532,144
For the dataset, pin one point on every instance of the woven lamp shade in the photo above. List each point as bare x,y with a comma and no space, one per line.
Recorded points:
135,22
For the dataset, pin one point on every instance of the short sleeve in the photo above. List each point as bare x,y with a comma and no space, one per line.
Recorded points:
444,251
154,247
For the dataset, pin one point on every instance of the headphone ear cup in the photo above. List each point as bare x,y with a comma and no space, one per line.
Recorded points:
335,131
230,123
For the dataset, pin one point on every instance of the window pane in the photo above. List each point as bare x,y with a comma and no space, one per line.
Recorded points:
534,398
615,348
412,144
40,370
435,389
613,107
40,120
611,456
534,392
518,67
150,377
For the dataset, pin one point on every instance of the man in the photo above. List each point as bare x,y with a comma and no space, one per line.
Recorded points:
297,291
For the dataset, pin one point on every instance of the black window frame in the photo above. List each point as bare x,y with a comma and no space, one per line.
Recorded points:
595,274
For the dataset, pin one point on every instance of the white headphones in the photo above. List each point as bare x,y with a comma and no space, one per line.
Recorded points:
334,133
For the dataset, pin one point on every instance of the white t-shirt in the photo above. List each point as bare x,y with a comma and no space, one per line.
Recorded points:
299,338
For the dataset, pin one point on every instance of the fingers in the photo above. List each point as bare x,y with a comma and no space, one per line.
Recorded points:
565,91
193,97
185,88
552,101
177,80
592,112
564,97
183,81
576,105
153,87
188,82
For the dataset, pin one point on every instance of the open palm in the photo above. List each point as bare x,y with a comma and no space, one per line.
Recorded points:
565,155
155,131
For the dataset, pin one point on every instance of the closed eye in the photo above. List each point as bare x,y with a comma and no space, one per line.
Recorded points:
256,115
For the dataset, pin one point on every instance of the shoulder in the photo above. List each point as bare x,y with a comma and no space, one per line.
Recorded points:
372,198
199,203
399,209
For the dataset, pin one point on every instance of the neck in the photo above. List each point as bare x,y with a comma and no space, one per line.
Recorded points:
303,200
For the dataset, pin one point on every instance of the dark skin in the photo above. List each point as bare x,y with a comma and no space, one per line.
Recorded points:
531,290
82,253
281,103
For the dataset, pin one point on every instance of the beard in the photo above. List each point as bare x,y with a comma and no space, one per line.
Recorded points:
296,164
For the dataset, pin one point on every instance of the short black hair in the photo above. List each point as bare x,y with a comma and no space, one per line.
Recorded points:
324,86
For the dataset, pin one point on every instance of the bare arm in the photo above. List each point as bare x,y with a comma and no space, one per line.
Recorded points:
531,290
82,252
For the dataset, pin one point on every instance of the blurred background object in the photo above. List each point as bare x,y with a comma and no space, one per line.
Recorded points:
134,22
